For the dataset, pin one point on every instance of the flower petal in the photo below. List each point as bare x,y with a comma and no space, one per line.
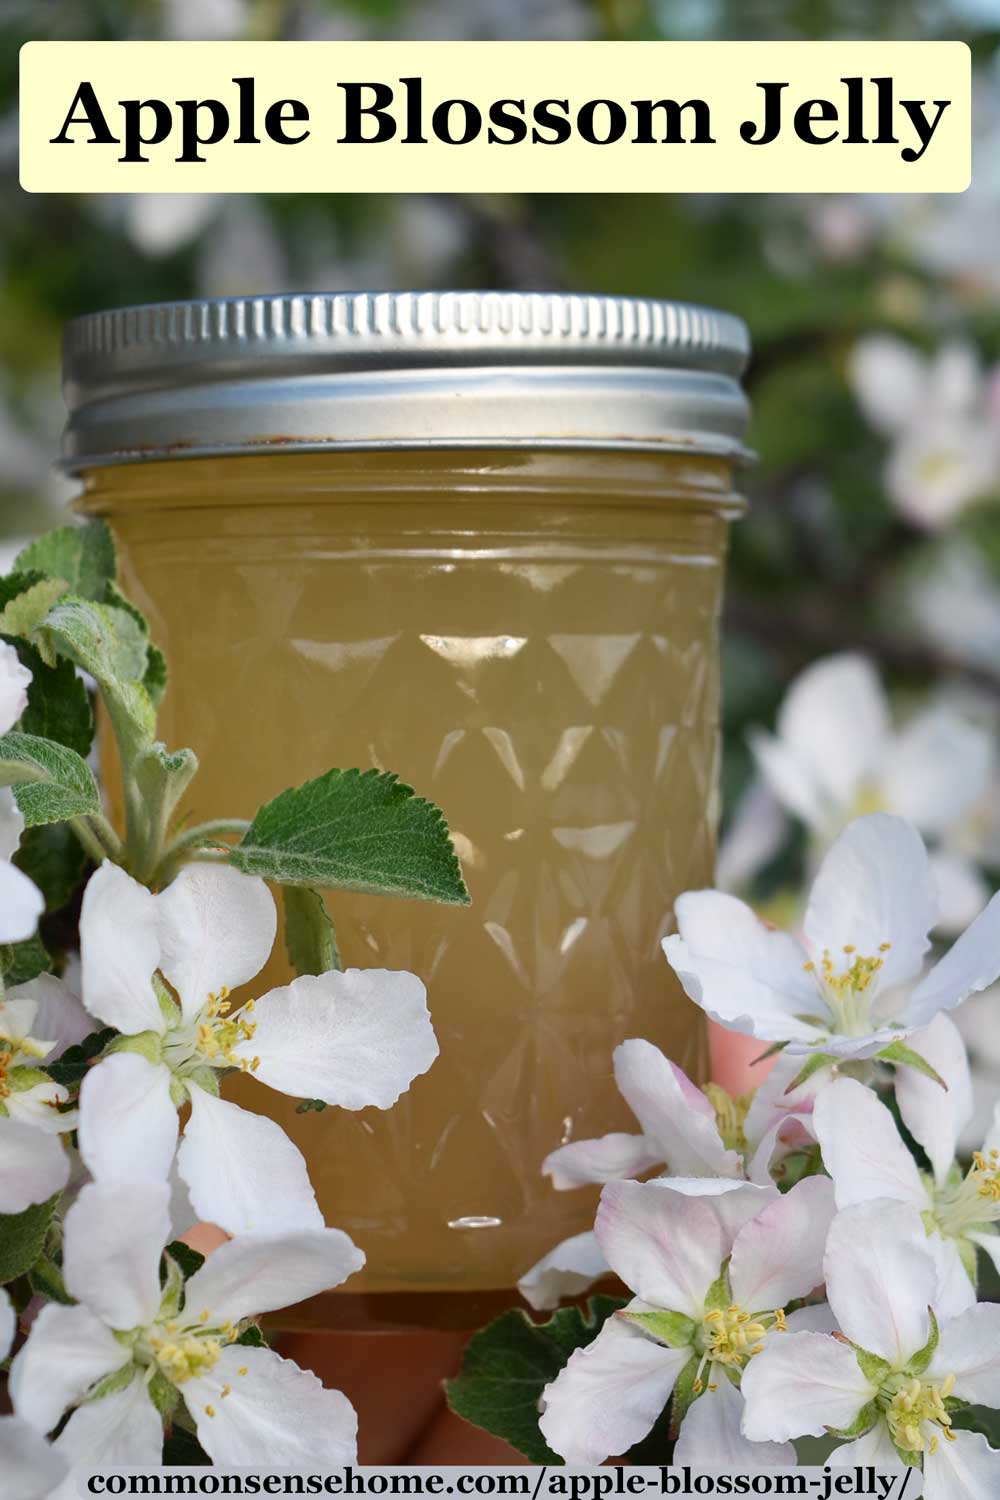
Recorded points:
939,768
33,1166
31,1469
970,965
113,1239
801,1384
673,1113
891,380
955,1293
274,1414
38,1107
738,1001
68,1350
128,1121
608,1395
11,824
569,1269
778,1256
216,930
815,1317
15,680
356,1038
789,779
875,1448
668,1247
881,1277
120,952
965,1469
711,1435
834,724
123,1427
733,1202
252,1274
969,1349
753,835
720,927
8,1325
608,1159
242,1171
874,887
862,1149
933,1115
21,904
59,1015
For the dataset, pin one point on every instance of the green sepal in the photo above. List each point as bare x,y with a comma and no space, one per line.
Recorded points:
684,1395
671,1328
310,940
719,1295
188,1261
47,1281
22,1238
903,1056
163,1395
771,1051
812,1065
72,1067
23,1077
171,1285
116,1381
148,1044
866,1418
871,1366
252,1338
51,783
918,1364
169,1008
207,1079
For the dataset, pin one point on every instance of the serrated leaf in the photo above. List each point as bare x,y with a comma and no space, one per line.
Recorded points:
189,1260
71,1068
51,856
51,783
22,1238
508,1365
25,612
310,940
20,962
671,1328
355,831
904,1056
108,643
82,556
58,702
918,1364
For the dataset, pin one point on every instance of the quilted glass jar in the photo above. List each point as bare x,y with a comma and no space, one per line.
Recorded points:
515,608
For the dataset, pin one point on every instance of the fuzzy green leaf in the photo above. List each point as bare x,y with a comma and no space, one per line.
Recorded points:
82,556
871,1366
20,962
918,1364
107,642
866,1418
26,611
719,1295
904,1056
51,783
157,675
58,702
22,1238
51,856
309,936
47,1281
356,831
684,1394
508,1365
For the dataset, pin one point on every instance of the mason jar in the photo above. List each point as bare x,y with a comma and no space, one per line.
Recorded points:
477,539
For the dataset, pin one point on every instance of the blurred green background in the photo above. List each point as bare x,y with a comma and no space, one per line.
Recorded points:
874,518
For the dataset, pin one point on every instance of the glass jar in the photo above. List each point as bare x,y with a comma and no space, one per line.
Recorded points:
501,579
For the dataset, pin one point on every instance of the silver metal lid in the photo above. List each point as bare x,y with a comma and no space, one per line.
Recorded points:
401,370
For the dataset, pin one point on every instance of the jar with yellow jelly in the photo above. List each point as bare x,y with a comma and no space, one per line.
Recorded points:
478,539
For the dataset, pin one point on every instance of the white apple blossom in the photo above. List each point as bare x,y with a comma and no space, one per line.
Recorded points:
849,988
354,1039
38,1021
905,1350
712,1266
836,754
21,902
29,1467
689,1131
867,1158
942,418
133,1343
955,604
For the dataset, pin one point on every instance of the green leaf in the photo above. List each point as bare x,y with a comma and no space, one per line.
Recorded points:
982,1419
71,1068
872,1367
252,1338
508,1365
671,1328
357,831
82,556
20,962
26,611
157,675
58,702
47,1281
51,856
51,783
182,1449
22,1238
918,1364
904,1056
189,1260
108,643
309,936
310,1106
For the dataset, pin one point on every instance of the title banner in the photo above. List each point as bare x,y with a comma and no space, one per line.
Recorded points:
540,117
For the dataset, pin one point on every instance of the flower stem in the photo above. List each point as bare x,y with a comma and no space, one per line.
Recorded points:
88,838
191,845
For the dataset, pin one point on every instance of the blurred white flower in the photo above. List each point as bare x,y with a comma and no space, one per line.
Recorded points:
243,254
204,20
497,20
160,223
955,604
836,754
941,416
